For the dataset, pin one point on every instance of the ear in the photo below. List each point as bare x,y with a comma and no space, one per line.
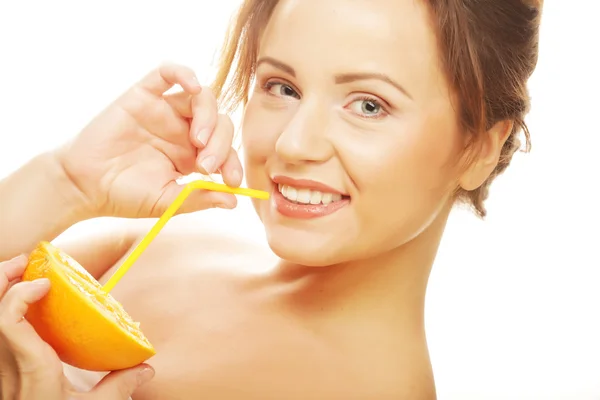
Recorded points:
486,159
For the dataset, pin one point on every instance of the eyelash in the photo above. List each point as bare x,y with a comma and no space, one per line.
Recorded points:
268,85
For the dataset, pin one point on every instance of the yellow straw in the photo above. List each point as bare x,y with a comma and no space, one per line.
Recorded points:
171,210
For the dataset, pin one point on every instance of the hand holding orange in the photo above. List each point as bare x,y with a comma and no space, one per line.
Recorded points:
86,327
59,302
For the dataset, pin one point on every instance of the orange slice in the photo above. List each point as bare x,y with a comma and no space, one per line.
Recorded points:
86,327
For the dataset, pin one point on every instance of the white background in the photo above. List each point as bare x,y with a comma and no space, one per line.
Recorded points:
512,310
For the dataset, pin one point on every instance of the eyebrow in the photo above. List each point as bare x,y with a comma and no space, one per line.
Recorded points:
277,64
340,78
359,76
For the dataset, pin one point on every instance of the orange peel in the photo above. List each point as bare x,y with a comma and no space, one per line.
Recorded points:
86,326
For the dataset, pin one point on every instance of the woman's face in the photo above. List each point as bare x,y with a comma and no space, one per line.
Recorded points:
351,127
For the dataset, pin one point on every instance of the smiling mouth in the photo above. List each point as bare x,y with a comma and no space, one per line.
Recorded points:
309,196
303,203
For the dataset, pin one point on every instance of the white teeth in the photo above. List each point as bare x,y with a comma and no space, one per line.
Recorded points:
306,196
303,196
315,197
291,193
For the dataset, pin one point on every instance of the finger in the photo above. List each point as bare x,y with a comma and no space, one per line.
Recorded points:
25,344
181,102
196,201
231,170
158,117
166,76
217,150
183,158
15,303
11,270
120,385
205,112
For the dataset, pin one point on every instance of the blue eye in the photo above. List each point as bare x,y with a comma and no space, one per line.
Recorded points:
367,107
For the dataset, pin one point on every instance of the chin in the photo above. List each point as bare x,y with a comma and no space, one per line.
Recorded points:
317,242
303,248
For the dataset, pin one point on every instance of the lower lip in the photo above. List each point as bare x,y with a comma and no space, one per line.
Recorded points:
305,211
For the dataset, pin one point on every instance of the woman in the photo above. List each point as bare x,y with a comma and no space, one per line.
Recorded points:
367,129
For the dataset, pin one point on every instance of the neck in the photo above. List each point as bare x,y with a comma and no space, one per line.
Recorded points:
389,288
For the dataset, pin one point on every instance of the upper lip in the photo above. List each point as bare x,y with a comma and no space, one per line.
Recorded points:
306,184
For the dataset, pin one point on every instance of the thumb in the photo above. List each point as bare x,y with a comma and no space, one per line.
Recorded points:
120,385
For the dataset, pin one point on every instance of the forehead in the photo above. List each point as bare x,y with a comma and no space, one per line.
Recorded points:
389,36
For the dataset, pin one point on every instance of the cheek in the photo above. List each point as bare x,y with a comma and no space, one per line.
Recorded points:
421,154
408,171
257,137
262,126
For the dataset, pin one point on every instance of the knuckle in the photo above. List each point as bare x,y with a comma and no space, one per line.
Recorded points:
233,155
13,299
7,317
187,71
208,94
9,298
227,124
206,115
165,67
179,71
17,290
126,386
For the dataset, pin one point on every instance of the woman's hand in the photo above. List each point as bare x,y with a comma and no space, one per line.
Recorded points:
29,368
127,160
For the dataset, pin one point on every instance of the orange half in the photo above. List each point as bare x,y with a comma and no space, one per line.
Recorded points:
86,327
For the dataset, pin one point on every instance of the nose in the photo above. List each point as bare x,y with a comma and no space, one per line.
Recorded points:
305,138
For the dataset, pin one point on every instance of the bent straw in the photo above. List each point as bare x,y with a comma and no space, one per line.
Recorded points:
171,210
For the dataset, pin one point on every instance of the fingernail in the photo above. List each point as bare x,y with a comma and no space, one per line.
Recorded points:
145,375
225,206
203,135
40,284
208,164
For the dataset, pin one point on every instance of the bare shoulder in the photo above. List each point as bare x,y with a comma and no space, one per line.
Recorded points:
98,244
204,237
201,247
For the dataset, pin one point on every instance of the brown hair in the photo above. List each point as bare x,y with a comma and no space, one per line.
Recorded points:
489,49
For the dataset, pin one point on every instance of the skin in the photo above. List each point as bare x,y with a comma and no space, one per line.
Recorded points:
392,162
302,322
